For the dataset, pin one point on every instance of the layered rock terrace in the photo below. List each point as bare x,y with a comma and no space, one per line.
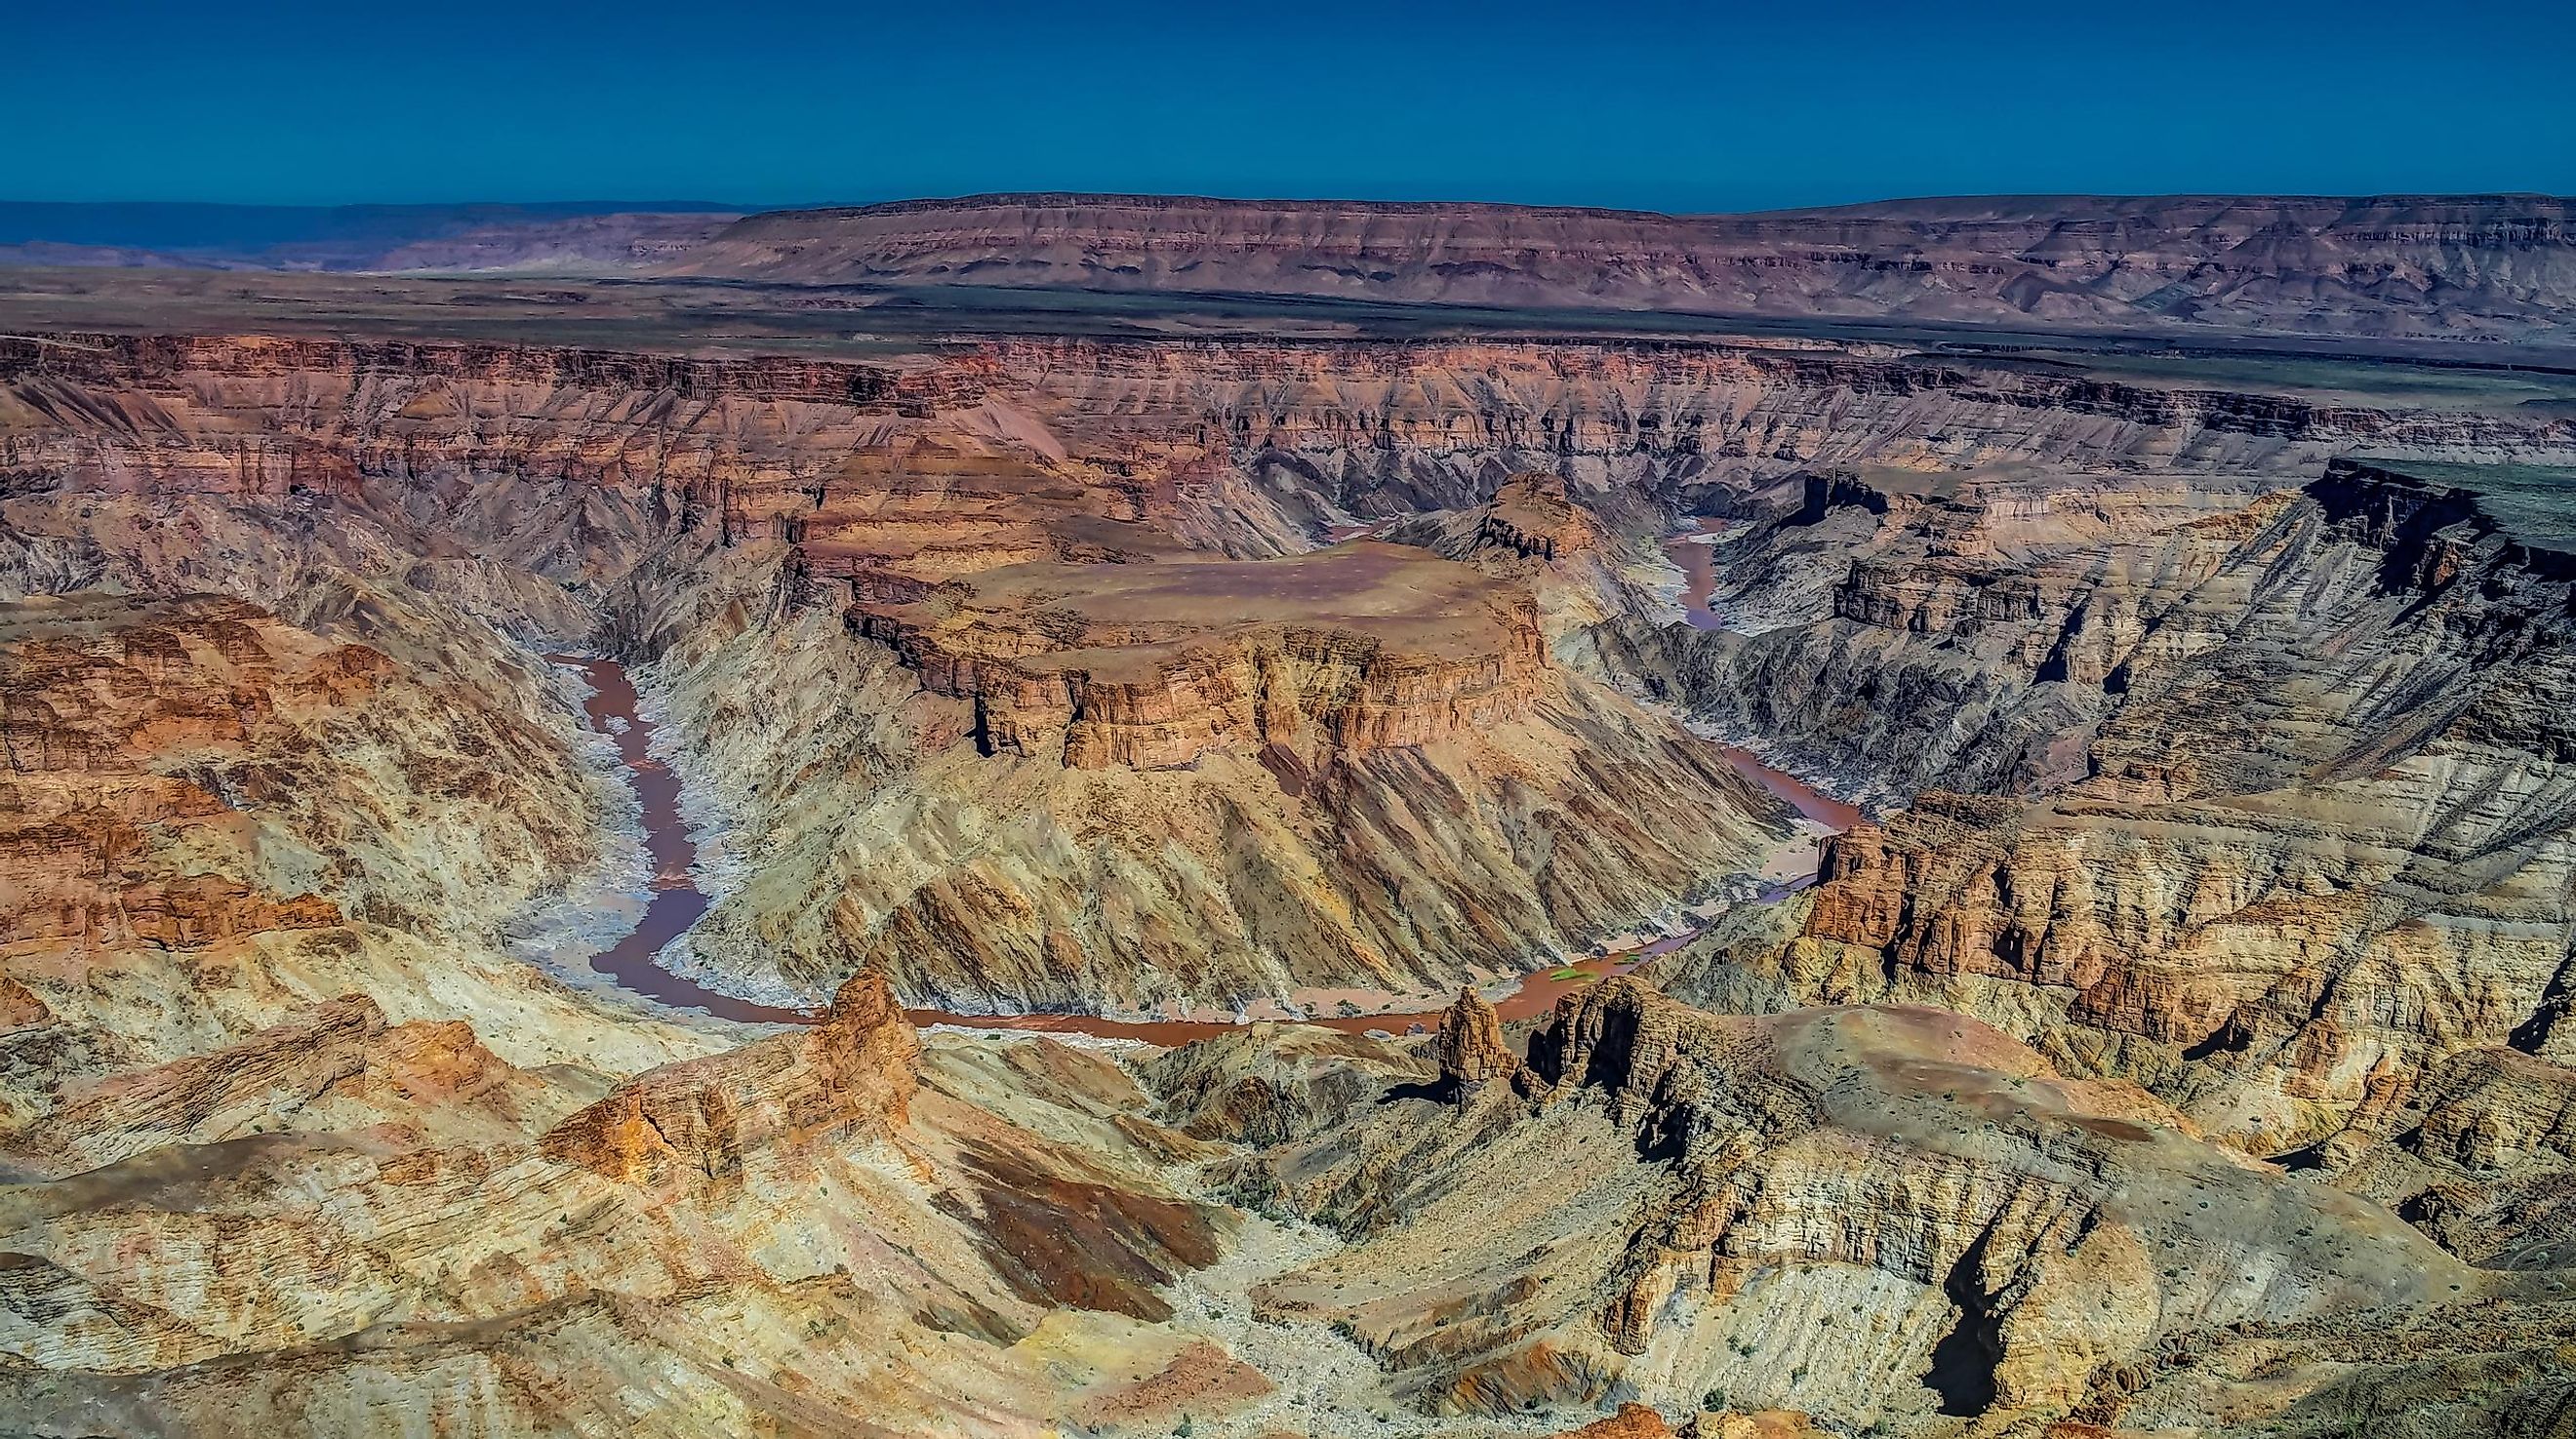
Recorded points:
1150,664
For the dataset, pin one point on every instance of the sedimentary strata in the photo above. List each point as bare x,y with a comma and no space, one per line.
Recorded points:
2294,839
1152,664
2186,1023
2390,265
1879,1215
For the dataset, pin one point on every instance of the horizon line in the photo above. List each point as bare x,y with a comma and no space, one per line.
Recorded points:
683,205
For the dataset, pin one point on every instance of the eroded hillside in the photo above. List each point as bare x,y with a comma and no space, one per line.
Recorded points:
2179,1046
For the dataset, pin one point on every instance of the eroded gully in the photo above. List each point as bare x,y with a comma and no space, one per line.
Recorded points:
676,903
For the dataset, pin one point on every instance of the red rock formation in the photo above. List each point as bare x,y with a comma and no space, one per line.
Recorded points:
1633,1421
19,1006
702,1120
1533,517
597,448
94,698
1152,664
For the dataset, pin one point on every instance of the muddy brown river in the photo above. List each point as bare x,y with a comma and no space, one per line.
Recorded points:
1697,558
676,903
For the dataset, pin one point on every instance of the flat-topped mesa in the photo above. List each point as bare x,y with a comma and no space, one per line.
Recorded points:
1533,517
2486,264
1150,665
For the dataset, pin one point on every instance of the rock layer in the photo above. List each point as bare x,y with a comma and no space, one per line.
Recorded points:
1378,824
1153,664
2396,264
2316,844
1883,1215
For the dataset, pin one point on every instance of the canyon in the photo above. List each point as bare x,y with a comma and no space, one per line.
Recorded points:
1280,873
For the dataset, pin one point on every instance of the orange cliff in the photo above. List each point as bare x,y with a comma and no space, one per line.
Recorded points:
1151,664
908,471
1533,517
734,443
101,707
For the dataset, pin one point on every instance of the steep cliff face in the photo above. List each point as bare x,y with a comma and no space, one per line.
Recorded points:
1152,664
2481,265
1043,553
1470,1048
561,462
2480,1153
1327,429
480,466
1967,631
2314,846
189,771
2012,557
1218,821
1883,1216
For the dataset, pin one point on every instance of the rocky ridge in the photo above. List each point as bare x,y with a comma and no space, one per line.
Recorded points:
2489,265
1880,1216
374,1263
2177,912
1363,827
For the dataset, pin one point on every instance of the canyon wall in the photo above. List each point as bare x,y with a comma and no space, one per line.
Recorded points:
1084,553
986,530
2268,817
2494,266
992,856
2397,266
1883,1218
1157,663
569,462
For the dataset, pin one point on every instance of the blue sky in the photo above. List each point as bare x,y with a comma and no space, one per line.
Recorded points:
1648,105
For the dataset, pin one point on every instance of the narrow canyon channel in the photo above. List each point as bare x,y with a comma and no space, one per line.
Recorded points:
1694,552
676,903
